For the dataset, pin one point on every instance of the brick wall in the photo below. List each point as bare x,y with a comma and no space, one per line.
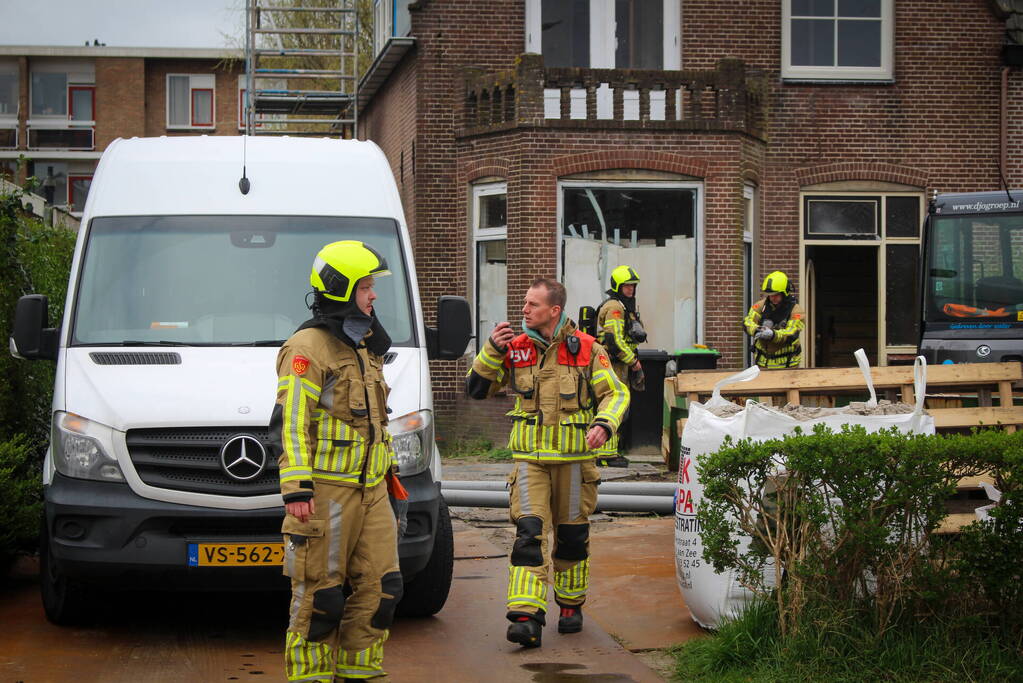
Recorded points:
937,126
120,103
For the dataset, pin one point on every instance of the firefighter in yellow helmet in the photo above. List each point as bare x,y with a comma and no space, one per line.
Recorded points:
568,403
774,323
620,330
329,427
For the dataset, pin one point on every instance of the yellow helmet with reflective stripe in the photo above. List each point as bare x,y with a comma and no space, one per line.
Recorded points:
623,275
776,283
340,265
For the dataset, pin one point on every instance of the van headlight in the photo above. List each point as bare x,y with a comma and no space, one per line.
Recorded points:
83,449
412,440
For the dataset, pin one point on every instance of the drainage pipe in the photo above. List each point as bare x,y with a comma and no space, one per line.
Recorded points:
662,504
625,488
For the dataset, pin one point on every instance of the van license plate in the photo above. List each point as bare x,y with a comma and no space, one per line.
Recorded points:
235,554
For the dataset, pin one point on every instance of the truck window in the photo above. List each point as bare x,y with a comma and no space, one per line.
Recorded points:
974,269
220,280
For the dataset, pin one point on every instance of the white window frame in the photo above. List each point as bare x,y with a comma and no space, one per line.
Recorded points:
885,72
697,187
880,241
602,33
482,235
195,82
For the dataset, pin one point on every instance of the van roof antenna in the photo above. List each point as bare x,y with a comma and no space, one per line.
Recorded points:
244,183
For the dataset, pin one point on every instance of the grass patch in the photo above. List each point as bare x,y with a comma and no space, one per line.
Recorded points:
474,450
832,646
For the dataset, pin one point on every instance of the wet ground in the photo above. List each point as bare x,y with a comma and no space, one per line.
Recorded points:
634,609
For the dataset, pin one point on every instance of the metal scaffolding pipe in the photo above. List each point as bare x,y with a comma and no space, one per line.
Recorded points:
624,488
662,504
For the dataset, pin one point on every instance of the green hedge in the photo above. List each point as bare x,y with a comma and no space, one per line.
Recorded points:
34,259
843,521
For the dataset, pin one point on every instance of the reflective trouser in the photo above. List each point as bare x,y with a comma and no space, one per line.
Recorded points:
334,632
546,498
779,362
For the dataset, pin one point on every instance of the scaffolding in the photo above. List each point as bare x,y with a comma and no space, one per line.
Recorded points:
301,66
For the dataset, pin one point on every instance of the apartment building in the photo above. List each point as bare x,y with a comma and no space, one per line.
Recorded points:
704,142
61,106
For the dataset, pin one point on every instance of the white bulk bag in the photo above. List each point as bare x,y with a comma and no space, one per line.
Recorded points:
713,597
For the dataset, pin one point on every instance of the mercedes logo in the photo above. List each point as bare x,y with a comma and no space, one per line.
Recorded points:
243,457
983,350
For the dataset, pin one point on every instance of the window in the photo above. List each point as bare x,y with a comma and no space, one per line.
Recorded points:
8,91
597,34
52,177
490,230
748,228
49,94
842,217
190,101
78,191
83,106
837,39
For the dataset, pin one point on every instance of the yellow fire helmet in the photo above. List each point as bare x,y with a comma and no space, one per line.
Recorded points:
623,275
340,265
776,283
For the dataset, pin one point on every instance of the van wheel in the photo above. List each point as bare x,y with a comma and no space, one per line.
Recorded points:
427,592
65,600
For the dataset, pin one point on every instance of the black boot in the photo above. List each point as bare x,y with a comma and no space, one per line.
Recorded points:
526,630
571,620
616,461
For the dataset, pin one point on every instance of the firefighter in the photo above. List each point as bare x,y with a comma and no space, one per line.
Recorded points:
568,403
329,427
620,330
774,324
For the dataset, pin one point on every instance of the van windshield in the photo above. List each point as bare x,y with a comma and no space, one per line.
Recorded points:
221,280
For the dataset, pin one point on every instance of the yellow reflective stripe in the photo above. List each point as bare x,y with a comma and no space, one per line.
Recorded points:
305,661
553,457
525,588
491,361
573,582
366,663
625,345
311,388
619,400
293,425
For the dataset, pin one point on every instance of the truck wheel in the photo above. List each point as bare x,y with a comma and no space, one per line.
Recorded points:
65,600
427,592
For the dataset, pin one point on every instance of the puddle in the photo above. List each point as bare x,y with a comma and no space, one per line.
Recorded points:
559,672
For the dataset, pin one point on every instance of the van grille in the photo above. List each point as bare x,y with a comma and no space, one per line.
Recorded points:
133,358
188,459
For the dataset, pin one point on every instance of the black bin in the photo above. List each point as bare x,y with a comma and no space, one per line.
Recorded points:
642,429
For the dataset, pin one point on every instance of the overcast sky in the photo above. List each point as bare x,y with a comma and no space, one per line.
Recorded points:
123,23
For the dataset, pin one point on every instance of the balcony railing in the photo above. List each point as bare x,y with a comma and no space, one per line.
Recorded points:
69,135
722,99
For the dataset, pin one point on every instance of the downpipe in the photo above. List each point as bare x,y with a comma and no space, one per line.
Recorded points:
606,502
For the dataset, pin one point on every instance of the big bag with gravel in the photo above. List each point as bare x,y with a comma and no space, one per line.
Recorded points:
711,596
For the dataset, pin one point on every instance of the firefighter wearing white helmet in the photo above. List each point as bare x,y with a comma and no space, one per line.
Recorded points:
774,324
620,330
329,429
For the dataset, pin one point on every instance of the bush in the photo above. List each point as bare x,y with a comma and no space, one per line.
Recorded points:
845,520
20,503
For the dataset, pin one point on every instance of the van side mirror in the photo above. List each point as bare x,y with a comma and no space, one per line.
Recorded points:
31,339
449,339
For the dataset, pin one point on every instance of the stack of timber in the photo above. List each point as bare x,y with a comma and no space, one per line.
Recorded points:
989,385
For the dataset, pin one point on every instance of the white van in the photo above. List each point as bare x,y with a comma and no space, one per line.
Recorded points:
186,280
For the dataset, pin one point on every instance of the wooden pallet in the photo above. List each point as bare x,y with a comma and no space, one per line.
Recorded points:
820,386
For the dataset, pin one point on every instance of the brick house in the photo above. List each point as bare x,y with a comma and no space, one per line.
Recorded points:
705,142
61,106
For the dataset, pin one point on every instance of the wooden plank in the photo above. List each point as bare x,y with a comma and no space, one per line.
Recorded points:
973,483
945,418
848,379
907,394
1005,393
792,396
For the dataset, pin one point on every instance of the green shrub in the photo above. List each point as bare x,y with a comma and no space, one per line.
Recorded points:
842,523
20,498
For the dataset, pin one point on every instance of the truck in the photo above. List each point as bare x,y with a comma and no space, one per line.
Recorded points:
972,275
190,270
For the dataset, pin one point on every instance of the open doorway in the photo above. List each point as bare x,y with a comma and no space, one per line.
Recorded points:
844,303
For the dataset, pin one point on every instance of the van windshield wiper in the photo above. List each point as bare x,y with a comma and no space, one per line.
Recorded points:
261,342
136,342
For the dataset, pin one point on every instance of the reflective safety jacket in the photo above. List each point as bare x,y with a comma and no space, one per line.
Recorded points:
559,394
784,349
330,420
613,321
